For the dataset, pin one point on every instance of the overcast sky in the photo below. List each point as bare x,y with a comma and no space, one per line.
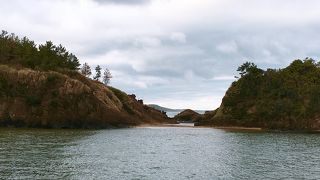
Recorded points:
175,53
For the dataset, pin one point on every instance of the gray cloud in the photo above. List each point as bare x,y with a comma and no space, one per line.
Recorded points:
129,2
180,53
206,63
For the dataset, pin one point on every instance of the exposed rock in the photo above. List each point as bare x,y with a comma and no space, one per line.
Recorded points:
66,99
133,96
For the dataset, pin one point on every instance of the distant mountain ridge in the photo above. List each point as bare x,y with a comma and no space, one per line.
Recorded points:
165,109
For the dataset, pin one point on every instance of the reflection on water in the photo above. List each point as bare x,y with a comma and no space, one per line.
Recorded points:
157,153
37,153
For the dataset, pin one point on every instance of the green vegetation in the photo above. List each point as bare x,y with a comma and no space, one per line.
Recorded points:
33,100
123,97
24,52
286,98
41,86
98,73
120,95
4,87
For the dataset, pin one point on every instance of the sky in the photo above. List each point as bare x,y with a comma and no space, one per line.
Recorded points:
175,53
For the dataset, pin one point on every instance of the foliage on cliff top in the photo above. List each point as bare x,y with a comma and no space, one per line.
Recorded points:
276,98
24,52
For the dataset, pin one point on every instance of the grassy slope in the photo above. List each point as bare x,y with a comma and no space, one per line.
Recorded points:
64,98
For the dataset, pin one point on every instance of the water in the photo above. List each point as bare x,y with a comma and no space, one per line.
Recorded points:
172,113
157,153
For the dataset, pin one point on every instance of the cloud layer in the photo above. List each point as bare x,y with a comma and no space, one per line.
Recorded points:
176,53
124,2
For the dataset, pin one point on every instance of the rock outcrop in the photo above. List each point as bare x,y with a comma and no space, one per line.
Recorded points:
66,99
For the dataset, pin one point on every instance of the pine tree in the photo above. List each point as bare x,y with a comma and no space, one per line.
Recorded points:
106,76
98,73
86,70
24,52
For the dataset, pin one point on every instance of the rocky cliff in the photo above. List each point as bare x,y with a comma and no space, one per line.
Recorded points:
66,99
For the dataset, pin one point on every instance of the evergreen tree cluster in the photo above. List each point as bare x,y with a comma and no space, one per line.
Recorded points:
24,52
286,98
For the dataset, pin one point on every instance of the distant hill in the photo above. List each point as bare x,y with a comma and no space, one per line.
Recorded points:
188,115
160,108
165,109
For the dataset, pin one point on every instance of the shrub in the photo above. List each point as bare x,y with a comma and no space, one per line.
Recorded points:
121,95
33,100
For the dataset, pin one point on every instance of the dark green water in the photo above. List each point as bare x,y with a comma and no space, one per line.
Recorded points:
157,153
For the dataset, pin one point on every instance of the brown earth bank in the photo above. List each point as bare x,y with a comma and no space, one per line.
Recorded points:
213,119
66,99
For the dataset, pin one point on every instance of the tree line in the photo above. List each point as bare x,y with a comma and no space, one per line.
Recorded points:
279,98
24,52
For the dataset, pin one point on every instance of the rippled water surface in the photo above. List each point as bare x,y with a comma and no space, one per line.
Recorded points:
157,153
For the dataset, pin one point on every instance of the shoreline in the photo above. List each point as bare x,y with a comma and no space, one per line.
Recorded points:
229,128
239,128
185,125
182,125
168,125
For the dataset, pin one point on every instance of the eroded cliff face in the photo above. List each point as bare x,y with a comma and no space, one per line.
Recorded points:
66,99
